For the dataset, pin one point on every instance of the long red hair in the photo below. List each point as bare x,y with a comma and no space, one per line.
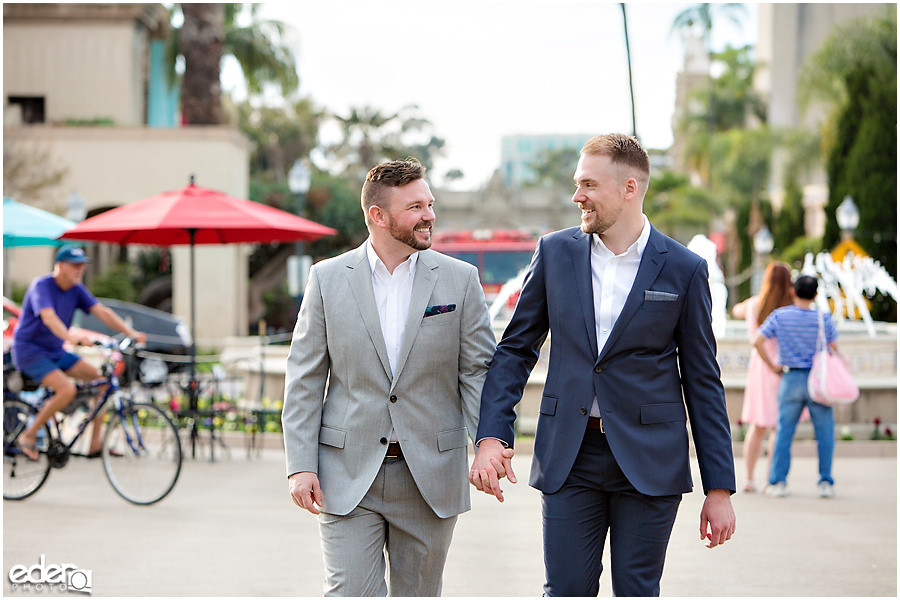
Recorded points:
775,290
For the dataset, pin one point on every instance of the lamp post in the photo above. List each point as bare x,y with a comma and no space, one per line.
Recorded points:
76,208
847,215
763,242
299,179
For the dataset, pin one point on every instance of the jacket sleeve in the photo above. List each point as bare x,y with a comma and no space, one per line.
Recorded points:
305,377
701,384
476,347
516,355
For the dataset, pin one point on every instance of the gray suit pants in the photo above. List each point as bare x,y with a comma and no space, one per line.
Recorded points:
394,520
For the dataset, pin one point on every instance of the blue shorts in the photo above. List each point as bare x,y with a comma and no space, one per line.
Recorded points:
39,365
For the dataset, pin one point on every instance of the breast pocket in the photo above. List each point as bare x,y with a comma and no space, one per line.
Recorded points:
660,305
437,320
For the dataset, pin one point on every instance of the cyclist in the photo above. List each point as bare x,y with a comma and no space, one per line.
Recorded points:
43,327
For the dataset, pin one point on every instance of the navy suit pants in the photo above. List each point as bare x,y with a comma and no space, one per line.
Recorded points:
595,499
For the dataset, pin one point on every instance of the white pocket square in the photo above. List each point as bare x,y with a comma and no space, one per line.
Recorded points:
654,296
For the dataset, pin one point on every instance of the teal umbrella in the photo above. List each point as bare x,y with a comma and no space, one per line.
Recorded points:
25,225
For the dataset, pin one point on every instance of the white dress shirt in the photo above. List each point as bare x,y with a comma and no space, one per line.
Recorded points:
392,295
611,279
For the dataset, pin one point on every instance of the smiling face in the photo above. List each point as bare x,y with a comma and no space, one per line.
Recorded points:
409,215
600,189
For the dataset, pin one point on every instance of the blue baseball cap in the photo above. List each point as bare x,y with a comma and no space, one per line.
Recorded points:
72,254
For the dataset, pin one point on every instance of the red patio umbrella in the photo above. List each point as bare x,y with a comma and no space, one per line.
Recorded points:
195,215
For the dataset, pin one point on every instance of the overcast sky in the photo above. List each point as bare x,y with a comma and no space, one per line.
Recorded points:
481,70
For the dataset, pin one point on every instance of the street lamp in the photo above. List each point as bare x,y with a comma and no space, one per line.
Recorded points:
847,217
763,243
76,208
299,179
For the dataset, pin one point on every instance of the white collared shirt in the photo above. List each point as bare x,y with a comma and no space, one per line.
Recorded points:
612,277
392,295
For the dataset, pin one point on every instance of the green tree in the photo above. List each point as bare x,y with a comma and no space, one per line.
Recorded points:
679,209
279,135
734,100
211,31
703,15
370,136
855,72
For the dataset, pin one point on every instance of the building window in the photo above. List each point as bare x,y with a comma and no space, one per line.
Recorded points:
32,108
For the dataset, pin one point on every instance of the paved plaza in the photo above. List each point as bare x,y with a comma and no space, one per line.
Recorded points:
230,529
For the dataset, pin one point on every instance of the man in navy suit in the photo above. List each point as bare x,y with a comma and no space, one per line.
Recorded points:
632,358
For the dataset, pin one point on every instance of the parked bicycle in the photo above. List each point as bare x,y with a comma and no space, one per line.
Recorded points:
141,451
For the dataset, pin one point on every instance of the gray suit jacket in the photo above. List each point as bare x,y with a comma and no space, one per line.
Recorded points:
431,401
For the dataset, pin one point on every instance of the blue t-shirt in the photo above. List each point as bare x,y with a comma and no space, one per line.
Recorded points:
31,335
797,330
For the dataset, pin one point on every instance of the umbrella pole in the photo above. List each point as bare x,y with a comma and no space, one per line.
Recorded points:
192,386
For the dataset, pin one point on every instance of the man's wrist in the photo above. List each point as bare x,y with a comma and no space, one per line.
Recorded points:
486,439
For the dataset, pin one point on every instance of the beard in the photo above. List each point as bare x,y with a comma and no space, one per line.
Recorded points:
407,235
599,222
595,225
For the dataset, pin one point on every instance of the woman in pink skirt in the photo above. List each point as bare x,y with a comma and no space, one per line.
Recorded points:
760,411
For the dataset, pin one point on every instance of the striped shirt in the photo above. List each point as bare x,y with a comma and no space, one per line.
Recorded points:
796,330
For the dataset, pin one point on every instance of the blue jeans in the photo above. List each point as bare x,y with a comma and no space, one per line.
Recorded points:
792,397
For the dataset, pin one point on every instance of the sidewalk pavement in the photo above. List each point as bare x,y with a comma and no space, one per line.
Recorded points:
230,529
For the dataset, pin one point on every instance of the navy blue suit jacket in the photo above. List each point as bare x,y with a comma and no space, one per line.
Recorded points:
657,370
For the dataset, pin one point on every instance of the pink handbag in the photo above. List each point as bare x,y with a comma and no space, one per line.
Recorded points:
830,381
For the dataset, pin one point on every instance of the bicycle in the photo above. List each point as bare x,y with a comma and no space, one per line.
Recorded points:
141,451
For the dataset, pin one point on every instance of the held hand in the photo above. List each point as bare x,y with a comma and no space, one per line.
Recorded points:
305,491
78,339
138,336
777,369
492,463
717,520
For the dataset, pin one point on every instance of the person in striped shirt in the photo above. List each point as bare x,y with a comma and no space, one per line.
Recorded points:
796,328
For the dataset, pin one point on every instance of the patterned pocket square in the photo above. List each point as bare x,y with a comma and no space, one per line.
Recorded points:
654,296
439,309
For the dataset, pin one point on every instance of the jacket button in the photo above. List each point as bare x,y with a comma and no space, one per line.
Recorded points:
383,441
584,411
393,398
597,369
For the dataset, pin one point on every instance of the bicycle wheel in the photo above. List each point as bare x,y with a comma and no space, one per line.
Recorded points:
141,453
22,477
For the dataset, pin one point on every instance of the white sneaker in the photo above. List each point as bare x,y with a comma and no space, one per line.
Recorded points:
777,490
826,490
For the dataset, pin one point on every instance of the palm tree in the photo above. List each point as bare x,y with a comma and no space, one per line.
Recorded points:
210,31
370,136
702,15
260,51
630,79
201,38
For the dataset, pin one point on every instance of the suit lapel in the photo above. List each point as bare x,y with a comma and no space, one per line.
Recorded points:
652,262
359,276
423,285
581,257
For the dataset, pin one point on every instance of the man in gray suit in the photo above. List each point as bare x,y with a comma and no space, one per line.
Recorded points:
400,336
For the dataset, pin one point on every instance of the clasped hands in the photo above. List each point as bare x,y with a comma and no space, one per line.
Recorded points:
492,463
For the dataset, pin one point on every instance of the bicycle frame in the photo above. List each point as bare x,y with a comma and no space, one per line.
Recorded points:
111,381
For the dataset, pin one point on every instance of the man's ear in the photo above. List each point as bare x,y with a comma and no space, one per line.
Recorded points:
376,214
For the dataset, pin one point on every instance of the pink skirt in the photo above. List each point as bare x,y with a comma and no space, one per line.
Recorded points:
761,392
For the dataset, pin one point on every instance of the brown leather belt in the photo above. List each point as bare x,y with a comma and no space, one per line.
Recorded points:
595,423
394,450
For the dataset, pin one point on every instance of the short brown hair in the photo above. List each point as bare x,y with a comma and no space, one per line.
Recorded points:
396,173
621,149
